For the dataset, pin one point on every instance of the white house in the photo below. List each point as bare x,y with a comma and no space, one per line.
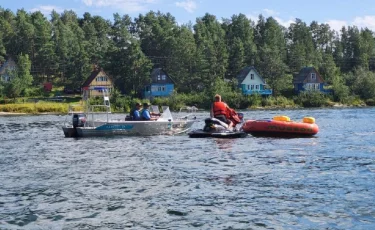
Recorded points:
250,82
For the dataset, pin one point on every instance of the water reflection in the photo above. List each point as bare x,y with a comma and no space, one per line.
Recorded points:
225,143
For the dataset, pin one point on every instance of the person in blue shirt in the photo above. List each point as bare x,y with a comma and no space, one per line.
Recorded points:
146,115
135,113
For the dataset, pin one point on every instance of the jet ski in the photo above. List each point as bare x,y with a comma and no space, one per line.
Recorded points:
215,128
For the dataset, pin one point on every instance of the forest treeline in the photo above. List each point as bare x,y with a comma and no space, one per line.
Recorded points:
199,56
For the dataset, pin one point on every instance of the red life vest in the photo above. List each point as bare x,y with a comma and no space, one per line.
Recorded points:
220,108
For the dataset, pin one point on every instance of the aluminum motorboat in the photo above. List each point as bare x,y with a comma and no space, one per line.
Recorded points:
96,121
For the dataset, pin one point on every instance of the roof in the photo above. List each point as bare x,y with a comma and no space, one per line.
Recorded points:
92,77
156,71
303,73
245,71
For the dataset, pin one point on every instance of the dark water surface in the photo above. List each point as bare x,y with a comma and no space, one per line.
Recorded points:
174,182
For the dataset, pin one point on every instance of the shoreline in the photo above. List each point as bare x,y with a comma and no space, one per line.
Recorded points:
335,106
19,114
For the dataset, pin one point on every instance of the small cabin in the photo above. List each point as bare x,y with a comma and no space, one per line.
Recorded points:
308,79
96,82
250,82
162,84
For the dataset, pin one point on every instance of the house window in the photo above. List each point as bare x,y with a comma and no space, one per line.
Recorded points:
252,76
248,87
154,88
159,77
252,87
257,87
5,78
316,86
313,76
163,77
102,78
161,88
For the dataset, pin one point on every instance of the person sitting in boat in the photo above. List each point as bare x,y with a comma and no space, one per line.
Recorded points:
146,115
221,111
135,113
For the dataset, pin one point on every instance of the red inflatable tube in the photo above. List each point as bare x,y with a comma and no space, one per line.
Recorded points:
273,128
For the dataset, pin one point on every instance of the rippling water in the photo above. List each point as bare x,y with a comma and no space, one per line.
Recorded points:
174,182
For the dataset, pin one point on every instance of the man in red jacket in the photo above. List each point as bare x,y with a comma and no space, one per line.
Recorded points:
221,111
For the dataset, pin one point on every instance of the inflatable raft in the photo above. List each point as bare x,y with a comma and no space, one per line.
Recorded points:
281,126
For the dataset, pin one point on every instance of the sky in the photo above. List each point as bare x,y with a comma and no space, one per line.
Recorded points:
336,13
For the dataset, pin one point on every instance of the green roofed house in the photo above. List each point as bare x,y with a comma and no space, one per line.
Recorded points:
308,79
250,82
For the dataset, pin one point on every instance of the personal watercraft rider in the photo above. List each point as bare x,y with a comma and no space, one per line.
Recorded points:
220,110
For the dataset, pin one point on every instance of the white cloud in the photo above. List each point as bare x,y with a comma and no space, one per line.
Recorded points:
285,23
47,9
336,24
269,12
253,17
124,5
366,21
360,22
189,5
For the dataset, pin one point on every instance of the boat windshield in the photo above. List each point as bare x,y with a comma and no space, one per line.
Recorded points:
166,115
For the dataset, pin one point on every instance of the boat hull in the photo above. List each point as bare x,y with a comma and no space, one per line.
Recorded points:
273,128
223,134
131,128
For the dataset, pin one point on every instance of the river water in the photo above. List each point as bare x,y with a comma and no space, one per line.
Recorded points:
175,182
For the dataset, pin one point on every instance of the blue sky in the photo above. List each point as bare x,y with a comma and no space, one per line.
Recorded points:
334,12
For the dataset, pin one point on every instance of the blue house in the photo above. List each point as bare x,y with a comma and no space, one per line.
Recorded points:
162,85
8,65
250,82
308,79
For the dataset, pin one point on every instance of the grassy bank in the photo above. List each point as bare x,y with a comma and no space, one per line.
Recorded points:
36,108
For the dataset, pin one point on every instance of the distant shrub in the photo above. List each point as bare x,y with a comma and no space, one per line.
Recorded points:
370,102
311,99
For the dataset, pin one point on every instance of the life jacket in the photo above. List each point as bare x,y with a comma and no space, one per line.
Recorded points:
142,113
233,116
219,108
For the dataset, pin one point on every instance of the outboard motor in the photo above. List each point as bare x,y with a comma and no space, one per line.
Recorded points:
79,120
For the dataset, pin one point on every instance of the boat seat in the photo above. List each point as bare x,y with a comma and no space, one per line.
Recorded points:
154,109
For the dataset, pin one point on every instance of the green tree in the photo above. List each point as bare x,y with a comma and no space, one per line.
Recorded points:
182,64
301,47
7,31
240,42
272,55
20,77
128,63
341,92
212,55
327,68
44,60
23,40
96,34
363,83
